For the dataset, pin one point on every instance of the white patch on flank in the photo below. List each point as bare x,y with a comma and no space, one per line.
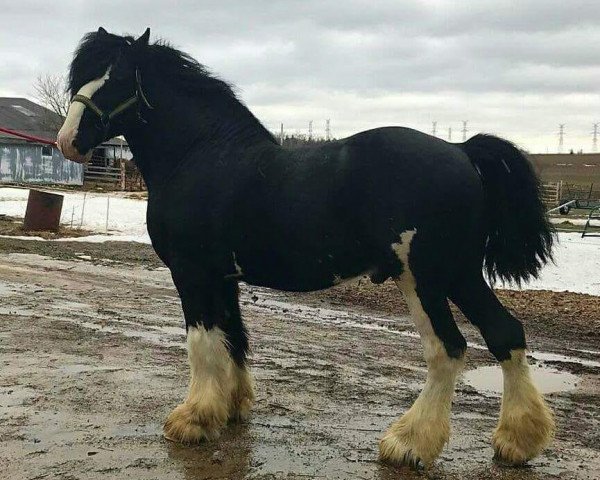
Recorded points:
69,129
526,424
420,434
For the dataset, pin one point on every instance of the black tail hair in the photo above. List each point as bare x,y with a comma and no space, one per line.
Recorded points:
520,237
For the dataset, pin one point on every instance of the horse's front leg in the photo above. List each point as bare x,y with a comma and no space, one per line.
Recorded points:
220,387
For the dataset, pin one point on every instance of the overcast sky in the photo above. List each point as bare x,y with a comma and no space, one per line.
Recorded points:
514,68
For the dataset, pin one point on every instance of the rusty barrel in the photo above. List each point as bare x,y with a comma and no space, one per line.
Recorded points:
43,211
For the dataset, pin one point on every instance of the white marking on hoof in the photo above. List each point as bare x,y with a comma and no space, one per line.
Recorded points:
208,405
526,423
419,436
243,395
416,439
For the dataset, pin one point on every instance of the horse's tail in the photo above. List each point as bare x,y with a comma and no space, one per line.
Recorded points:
520,237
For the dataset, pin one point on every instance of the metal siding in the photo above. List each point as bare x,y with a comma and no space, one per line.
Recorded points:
25,164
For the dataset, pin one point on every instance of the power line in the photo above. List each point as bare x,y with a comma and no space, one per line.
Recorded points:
464,130
449,134
595,138
434,129
328,129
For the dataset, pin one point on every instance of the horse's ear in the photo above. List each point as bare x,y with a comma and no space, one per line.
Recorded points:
143,40
101,31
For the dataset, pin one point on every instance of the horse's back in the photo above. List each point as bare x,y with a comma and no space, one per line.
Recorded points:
404,172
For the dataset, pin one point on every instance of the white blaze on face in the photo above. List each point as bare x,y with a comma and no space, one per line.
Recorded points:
68,131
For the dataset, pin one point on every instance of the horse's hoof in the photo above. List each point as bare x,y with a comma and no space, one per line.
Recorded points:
412,442
243,396
396,449
522,435
183,425
241,410
399,455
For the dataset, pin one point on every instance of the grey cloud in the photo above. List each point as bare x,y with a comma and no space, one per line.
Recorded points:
517,68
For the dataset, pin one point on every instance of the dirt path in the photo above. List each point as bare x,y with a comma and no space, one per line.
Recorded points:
92,361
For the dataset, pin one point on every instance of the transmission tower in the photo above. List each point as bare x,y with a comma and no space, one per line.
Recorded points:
310,130
434,129
328,129
449,134
561,137
281,135
595,138
464,130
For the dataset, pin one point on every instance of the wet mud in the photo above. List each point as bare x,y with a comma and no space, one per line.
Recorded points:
92,359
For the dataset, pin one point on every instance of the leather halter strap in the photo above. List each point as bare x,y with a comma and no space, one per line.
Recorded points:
106,117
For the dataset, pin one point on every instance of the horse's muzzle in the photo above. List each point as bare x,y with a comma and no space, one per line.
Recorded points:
65,143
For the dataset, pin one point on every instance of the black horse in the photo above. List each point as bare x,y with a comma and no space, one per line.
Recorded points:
228,204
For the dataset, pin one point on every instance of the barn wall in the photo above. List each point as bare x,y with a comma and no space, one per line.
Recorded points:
25,164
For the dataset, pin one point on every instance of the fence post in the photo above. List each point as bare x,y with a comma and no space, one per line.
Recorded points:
82,209
123,187
107,210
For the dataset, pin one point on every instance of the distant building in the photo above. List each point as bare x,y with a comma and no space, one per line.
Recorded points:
23,161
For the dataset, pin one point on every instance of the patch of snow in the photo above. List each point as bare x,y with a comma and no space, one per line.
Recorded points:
576,268
87,210
572,221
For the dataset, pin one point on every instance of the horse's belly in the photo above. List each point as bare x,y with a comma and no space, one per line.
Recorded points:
297,274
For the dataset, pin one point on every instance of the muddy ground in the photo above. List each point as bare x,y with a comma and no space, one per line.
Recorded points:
92,359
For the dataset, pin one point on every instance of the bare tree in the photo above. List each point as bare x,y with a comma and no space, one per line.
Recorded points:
50,90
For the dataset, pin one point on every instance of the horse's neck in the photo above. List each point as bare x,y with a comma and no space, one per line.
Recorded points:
175,131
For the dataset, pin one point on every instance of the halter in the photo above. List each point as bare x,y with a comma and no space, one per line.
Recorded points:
106,117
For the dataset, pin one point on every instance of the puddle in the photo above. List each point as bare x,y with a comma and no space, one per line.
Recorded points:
393,324
546,379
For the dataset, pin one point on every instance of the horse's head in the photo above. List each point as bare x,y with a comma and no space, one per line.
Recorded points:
106,87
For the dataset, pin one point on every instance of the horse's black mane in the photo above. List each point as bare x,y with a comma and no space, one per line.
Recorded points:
97,51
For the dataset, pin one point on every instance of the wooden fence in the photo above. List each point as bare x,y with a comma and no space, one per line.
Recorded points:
99,174
124,177
551,194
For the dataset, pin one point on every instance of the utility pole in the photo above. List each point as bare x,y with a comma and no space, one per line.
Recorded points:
561,137
464,130
310,131
328,129
434,129
449,134
595,138
281,135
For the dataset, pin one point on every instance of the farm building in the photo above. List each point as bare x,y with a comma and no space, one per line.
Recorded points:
24,161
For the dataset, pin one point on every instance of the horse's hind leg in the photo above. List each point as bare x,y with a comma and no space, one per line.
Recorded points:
421,433
220,387
526,424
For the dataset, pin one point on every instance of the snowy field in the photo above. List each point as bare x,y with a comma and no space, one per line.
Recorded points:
577,267
126,217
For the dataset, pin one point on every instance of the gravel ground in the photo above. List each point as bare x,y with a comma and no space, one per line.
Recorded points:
92,360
